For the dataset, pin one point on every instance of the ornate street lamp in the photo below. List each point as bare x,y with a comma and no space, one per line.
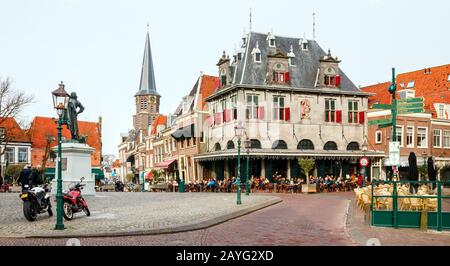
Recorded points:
364,147
60,101
247,145
239,132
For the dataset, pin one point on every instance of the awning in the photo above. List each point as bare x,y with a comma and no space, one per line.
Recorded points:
403,162
165,164
184,132
98,173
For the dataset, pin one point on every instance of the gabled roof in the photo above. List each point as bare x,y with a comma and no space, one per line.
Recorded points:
147,84
302,75
41,127
432,84
159,120
14,133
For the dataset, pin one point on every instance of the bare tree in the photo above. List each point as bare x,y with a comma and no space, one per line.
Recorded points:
12,103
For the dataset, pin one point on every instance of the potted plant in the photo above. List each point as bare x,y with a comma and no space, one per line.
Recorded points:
307,165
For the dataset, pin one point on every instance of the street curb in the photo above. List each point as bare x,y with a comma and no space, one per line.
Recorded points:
347,223
169,230
354,234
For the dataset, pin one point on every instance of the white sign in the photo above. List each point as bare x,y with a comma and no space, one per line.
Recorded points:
394,153
364,161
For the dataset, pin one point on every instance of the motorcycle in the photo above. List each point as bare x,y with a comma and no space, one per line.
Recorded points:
119,186
74,202
36,200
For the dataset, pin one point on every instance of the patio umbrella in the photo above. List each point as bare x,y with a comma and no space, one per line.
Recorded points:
431,171
413,172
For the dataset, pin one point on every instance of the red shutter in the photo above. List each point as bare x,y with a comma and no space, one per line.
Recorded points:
287,114
227,115
286,75
218,118
209,120
338,80
261,112
338,116
361,117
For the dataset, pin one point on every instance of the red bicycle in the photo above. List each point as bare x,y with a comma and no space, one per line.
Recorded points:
74,202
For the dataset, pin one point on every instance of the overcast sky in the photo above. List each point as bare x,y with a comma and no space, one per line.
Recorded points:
96,46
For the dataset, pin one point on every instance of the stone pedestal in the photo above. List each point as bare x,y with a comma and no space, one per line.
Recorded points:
76,163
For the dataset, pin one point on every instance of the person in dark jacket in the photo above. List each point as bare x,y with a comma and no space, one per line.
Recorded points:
24,176
35,178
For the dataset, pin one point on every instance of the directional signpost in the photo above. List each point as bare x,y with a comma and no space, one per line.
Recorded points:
410,106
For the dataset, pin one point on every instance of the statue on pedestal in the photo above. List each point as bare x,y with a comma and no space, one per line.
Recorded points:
71,115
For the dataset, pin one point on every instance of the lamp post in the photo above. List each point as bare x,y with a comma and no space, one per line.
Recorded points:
392,88
239,132
247,145
60,101
364,148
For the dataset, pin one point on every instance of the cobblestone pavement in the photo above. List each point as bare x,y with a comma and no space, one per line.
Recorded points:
361,232
315,219
297,220
124,213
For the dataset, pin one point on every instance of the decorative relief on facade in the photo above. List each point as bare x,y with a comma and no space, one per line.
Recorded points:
305,109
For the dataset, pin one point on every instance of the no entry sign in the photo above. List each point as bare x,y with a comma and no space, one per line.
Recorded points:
364,161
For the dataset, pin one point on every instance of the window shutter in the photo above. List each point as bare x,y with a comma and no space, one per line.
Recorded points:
287,76
235,113
361,117
274,76
338,116
226,115
209,120
261,112
287,114
338,80
218,118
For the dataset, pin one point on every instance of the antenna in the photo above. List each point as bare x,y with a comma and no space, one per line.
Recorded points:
314,26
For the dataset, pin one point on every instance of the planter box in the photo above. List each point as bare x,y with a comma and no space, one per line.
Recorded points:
311,188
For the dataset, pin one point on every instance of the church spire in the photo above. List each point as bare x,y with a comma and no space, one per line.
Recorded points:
147,84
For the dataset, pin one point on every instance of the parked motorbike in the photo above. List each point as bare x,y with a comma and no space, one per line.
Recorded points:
74,202
36,200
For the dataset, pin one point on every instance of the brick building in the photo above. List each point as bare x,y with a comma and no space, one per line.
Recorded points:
426,134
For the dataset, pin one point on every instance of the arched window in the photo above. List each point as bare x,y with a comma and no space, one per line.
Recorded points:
255,144
353,146
217,147
330,146
305,144
230,145
279,144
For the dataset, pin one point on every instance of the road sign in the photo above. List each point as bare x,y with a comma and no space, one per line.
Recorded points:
364,161
410,100
381,106
410,105
379,121
409,111
394,152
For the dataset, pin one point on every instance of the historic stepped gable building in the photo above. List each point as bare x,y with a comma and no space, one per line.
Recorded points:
147,98
294,101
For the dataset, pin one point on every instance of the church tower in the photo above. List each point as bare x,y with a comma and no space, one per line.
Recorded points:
147,99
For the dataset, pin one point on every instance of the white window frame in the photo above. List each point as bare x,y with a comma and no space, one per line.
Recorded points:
255,57
441,107
443,139
378,133
19,152
412,137
410,84
426,138
440,137
401,135
276,107
252,107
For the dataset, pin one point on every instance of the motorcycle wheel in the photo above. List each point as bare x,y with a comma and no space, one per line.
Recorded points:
86,211
67,211
30,211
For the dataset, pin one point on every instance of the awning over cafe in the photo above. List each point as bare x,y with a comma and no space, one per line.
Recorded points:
165,164
184,132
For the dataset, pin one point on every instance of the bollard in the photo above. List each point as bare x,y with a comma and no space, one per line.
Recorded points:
424,220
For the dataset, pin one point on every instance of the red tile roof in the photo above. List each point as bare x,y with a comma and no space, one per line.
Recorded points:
14,133
433,85
43,126
208,86
159,120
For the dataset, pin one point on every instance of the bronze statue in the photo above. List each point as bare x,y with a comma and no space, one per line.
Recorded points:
72,113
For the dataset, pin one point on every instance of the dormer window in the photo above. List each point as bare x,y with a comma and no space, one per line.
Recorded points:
410,84
291,56
257,53
271,39
292,61
223,78
239,56
332,80
404,94
304,44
